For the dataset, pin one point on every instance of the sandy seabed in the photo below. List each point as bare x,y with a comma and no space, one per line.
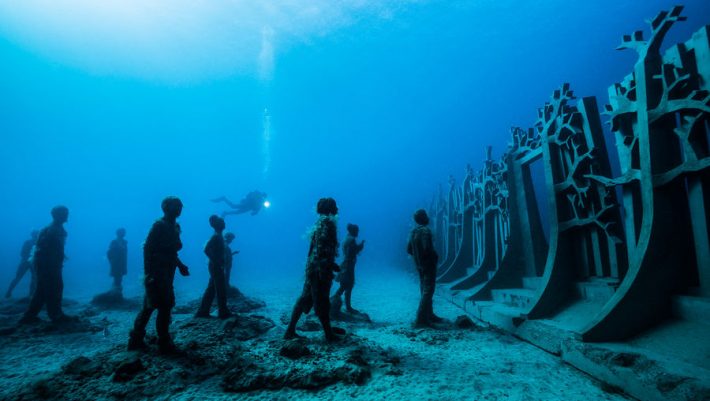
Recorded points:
450,364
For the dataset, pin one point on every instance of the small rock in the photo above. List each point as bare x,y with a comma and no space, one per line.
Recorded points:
236,301
666,382
625,359
394,371
393,359
244,376
295,350
354,374
309,323
356,358
81,366
126,370
89,312
464,322
247,327
43,389
319,378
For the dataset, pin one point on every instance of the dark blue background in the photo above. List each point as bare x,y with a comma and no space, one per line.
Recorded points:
375,111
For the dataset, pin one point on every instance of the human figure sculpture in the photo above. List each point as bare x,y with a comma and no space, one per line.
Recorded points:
160,258
421,247
48,260
346,277
117,255
320,268
215,251
25,265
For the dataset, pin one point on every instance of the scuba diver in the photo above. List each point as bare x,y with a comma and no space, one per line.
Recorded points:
347,269
160,259
253,202
25,265
319,273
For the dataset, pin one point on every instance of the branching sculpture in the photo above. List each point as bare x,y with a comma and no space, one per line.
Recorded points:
660,118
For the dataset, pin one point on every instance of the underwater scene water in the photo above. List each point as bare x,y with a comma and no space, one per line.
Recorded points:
109,107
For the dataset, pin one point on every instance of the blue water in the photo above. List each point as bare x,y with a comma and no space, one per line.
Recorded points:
108,108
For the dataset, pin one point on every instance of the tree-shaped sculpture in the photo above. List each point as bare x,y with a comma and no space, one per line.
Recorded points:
582,214
659,116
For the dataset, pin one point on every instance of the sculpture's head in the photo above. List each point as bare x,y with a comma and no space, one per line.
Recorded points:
172,207
327,207
60,214
421,218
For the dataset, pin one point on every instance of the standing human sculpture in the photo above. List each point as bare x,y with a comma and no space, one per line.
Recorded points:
48,260
320,268
346,277
160,257
117,255
217,285
421,247
25,266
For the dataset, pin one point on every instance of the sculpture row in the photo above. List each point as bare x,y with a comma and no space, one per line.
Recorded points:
550,231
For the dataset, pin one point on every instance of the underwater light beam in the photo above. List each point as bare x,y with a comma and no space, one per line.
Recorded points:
265,60
267,143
